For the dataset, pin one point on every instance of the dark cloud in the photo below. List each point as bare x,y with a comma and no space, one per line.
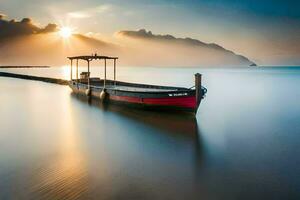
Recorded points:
2,16
13,28
49,28
170,39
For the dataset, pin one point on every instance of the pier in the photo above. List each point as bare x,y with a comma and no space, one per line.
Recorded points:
34,78
22,66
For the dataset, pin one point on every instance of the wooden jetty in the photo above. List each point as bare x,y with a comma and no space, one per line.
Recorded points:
21,66
35,78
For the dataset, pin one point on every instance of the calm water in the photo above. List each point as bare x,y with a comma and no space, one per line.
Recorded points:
243,144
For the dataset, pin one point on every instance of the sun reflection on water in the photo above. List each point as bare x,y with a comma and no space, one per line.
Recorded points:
64,175
66,70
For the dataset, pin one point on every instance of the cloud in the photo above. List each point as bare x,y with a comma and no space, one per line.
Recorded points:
79,15
49,28
2,16
13,28
90,12
104,8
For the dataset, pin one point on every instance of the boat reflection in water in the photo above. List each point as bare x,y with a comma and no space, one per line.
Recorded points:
152,153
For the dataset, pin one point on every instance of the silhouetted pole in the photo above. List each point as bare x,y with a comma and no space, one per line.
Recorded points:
88,74
77,70
71,70
198,88
104,73
115,71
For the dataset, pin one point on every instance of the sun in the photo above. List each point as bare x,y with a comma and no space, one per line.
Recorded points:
65,32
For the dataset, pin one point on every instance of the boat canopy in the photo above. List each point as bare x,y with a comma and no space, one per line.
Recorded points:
91,58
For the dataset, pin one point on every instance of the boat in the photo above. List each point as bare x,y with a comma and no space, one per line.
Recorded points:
153,97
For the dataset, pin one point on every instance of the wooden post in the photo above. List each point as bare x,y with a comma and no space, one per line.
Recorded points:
198,88
77,70
71,70
115,71
104,72
88,74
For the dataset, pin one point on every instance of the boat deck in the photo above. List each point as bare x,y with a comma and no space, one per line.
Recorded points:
138,89
132,87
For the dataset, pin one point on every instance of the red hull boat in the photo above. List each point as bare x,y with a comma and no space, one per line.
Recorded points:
144,96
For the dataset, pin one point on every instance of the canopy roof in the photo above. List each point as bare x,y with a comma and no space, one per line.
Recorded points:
93,57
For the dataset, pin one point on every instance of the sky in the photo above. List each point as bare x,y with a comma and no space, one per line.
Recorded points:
267,31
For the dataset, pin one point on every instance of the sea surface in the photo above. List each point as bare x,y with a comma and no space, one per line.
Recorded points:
244,142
